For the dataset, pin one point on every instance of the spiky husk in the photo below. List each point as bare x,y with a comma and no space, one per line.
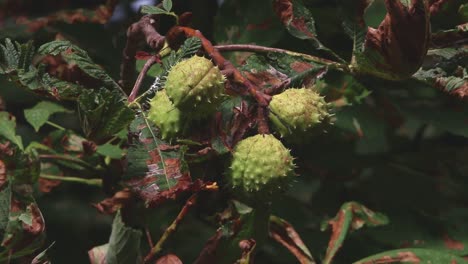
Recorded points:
168,118
295,113
195,86
261,164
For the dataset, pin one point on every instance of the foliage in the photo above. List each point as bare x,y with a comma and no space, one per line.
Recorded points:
381,179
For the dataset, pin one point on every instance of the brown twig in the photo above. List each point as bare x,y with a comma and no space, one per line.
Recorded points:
143,30
263,49
172,228
150,62
223,64
148,237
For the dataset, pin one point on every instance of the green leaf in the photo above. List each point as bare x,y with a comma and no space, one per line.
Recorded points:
40,113
109,150
16,62
412,255
8,131
15,56
167,4
351,216
153,10
75,55
124,243
103,113
445,69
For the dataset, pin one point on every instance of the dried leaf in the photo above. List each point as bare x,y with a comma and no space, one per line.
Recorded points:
412,255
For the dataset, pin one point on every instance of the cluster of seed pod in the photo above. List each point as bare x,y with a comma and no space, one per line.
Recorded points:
193,90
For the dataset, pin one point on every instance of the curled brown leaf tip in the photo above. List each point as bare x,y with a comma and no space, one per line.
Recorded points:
401,40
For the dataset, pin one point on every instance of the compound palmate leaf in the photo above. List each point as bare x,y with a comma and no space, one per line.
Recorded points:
16,63
73,54
156,170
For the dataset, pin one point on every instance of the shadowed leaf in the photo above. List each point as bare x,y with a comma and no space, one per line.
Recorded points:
412,255
352,216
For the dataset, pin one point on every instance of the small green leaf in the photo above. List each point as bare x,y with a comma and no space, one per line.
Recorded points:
152,10
40,113
124,243
412,255
109,150
167,5
7,129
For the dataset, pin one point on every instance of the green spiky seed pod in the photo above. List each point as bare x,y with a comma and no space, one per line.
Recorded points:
261,164
195,86
166,116
296,112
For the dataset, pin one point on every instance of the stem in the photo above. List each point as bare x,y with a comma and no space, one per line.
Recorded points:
263,49
150,62
263,127
144,29
55,125
172,228
91,182
66,158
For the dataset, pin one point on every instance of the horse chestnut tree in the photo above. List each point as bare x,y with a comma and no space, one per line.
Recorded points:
234,131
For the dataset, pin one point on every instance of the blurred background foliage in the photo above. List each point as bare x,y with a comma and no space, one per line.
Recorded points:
401,150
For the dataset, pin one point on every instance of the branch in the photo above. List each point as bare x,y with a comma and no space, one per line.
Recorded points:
172,228
150,62
225,65
143,30
263,49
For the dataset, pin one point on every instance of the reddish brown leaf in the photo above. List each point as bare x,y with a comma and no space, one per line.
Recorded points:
405,257
401,41
285,234
113,204
452,243
99,14
300,26
208,253
46,185
3,177
169,259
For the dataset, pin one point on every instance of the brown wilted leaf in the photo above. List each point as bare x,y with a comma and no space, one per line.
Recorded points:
396,49
169,259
